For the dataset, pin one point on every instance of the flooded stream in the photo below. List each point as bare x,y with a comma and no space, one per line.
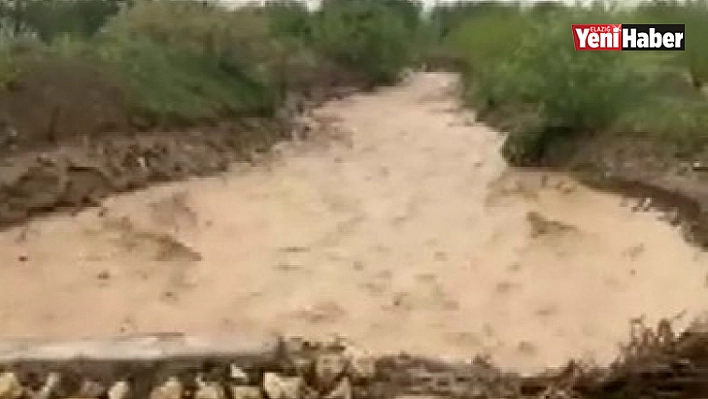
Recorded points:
409,233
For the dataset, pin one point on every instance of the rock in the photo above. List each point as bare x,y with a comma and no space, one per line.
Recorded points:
49,386
209,390
302,363
119,390
361,364
171,389
343,390
237,374
278,387
329,366
245,392
91,389
10,387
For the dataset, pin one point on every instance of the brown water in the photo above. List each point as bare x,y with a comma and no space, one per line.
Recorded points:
409,234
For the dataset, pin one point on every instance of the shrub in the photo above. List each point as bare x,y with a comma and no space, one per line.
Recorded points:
486,41
290,19
540,74
365,36
213,63
580,90
522,72
169,86
450,17
241,37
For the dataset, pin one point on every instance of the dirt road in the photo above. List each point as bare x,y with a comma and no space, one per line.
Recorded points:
411,234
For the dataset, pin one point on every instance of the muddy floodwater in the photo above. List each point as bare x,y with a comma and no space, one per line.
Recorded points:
408,232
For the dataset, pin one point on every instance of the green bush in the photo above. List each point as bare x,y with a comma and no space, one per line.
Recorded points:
290,19
580,90
449,18
171,86
529,64
185,61
213,63
366,36
486,41
241,37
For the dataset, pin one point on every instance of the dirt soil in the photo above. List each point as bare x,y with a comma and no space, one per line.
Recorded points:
406,233
643,166
80,172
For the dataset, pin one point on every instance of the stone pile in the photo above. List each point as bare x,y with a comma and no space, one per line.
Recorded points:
298,370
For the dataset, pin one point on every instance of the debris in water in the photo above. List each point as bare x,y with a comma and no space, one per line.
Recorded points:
526,348
541,226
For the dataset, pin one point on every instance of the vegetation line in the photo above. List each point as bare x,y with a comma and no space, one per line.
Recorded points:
167,64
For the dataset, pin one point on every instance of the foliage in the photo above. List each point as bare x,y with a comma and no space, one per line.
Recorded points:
365,35
522,64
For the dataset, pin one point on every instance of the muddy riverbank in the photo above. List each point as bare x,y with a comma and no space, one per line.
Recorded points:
660,175
77,174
